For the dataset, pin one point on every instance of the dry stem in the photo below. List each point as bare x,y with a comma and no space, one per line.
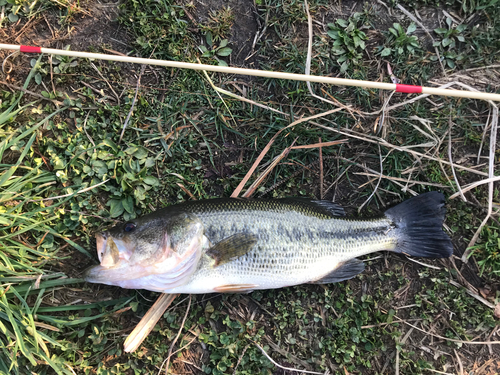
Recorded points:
176,338
287,368
240,187
71,194
449,339
125,124
491,175
453,169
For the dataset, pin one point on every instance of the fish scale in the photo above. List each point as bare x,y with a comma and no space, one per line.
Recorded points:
295,244
238,245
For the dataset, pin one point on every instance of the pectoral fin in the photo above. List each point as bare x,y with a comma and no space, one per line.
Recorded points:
235,288
345,271
231,248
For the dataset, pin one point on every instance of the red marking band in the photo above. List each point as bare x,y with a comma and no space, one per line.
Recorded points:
408,89
30,49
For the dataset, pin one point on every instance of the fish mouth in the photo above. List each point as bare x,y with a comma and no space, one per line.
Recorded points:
114,274
118,267
107,251
133,276
113,257
106,275
100,239
110,250
93,275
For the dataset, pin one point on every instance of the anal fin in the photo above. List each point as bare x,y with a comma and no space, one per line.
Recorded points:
344,271
235,288
231,248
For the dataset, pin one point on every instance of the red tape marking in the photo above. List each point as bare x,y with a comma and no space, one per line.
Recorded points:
30,49
408,89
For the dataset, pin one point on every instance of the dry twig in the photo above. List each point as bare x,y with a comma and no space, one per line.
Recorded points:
473,294
109,85
491,174
383,142
71,194
321,187
125,124
473,185
309,54
240,187
241,98
287,368
423,264
240,358
413,182
461,367
85,129
378,182
451,164
57,103
449,339
176,338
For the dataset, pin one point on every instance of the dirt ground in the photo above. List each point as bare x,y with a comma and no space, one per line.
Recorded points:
97,28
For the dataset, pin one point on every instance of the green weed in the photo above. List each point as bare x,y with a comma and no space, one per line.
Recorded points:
219,24
216,51
487,251
159,27
349,41
17,7
31,237
61,65
399,42
451,36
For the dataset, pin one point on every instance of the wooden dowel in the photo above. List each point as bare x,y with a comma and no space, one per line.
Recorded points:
148,322
255,72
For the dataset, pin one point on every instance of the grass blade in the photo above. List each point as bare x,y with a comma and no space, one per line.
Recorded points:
20,338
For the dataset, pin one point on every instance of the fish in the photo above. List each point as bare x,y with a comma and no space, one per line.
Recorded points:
234,245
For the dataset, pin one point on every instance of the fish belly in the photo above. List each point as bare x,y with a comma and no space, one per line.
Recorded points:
277,267
209,280
292,249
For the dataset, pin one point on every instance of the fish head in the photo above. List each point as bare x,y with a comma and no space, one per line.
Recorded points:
151,245
137,242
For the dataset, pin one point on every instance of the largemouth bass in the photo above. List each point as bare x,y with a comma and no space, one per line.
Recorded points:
239,245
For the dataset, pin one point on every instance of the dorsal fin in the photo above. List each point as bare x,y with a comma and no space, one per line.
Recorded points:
326,207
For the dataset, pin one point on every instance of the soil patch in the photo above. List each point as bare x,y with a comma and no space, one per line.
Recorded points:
243,30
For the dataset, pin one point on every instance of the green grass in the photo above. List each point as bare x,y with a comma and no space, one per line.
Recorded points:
488,251
182,132
32,235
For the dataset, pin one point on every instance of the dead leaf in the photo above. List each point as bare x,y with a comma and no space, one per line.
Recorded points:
497,311
485,291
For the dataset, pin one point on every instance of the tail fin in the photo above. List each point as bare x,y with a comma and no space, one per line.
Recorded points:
419,223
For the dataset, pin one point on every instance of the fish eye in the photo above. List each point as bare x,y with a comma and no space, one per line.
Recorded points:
129,227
